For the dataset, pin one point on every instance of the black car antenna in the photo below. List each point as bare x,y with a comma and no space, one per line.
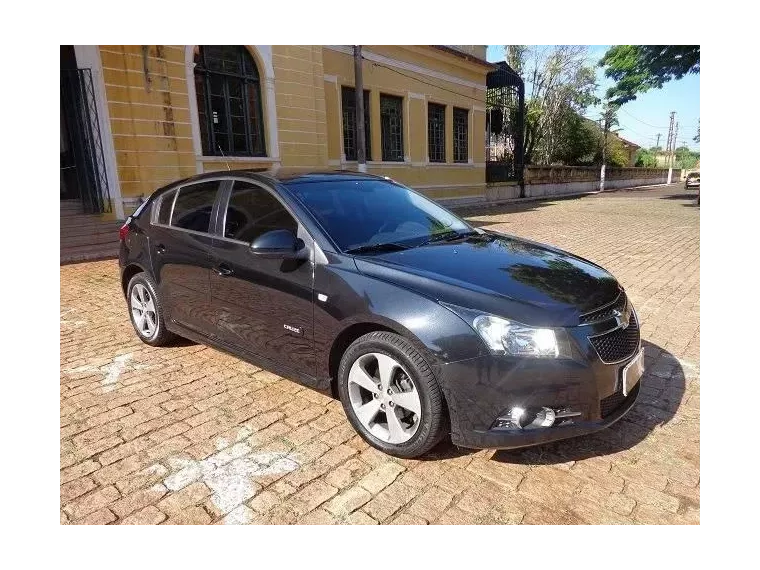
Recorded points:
223,156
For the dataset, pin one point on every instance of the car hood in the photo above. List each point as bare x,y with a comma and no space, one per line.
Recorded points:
499,274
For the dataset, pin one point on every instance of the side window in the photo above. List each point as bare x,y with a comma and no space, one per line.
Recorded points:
165,207
193,206
253,211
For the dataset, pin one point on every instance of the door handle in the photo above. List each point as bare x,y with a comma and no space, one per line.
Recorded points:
223,270
160,248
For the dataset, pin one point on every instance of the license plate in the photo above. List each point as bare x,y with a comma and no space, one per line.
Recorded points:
632,372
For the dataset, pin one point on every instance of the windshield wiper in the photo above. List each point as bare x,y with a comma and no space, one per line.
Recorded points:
450,235
376,248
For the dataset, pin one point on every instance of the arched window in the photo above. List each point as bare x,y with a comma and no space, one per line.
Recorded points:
228,90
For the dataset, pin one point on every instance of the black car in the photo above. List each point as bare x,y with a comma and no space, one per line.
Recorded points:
421,324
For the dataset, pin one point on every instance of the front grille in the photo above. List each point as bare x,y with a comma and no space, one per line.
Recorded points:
605,312
611,404
619,344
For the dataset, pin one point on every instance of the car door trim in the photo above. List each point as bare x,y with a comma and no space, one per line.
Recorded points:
317,255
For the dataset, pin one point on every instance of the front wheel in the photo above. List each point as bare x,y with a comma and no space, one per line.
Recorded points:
391,396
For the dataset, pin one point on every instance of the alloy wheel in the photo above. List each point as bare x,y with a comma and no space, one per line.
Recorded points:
143,310
384,398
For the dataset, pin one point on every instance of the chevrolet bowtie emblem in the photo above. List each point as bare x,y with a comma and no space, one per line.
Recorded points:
622,321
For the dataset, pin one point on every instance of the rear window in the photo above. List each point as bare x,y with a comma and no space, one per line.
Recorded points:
193,206
165,203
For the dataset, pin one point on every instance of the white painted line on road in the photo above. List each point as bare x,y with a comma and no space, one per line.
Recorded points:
118,366
230,474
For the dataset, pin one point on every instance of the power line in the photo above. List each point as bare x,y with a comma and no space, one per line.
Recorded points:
640,121
636,132
654,126
374,63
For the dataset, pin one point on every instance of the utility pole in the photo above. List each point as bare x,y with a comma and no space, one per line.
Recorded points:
361,147
675,143
656,149
607,120
604,154
669,151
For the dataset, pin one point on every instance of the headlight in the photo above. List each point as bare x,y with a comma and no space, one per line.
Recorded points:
506,337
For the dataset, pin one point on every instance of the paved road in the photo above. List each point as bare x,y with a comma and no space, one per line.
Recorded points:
191,435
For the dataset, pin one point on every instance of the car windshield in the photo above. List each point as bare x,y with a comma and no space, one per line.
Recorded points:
363,215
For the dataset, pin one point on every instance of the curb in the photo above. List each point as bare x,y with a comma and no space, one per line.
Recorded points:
479,205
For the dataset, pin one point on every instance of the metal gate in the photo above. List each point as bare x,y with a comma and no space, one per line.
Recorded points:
505,119
81,115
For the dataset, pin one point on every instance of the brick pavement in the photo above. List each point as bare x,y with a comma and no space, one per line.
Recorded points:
189,435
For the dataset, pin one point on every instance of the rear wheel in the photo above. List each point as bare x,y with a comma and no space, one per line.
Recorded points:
391,396
146,311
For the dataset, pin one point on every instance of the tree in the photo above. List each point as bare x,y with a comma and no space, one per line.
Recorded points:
558,80
580,141
616,154
613,152
646,158
636,69
685,157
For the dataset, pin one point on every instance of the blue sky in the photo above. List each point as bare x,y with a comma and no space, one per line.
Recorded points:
649,114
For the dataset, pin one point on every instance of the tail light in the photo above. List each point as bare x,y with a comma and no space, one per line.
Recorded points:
123,231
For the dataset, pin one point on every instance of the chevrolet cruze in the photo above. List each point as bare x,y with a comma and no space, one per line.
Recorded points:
423,325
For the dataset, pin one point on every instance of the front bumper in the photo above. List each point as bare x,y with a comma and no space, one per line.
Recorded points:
481,391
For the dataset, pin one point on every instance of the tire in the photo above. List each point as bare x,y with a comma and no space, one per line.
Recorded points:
411,375
159,335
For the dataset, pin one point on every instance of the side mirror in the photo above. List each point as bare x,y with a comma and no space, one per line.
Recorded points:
279,244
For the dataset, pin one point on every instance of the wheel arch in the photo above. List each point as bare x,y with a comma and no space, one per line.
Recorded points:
127,273
374,323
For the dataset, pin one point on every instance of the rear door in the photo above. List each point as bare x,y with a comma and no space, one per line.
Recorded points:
264,306
181,245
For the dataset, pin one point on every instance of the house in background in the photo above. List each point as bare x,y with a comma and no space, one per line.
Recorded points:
134,118
630,149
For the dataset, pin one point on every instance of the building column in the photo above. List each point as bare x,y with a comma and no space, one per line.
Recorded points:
89,57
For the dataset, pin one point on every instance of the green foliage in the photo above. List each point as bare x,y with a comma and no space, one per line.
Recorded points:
516,57
686,158
640,68
616,154
646,158
580,141
558,81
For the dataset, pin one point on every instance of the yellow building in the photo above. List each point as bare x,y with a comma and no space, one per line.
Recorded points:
161,113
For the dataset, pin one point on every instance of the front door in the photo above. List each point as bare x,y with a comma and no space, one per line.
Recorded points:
181,254
69,179
264,306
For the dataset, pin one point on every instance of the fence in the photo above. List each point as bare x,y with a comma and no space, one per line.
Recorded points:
547,181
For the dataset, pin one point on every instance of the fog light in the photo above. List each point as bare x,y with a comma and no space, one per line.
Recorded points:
516,415
519,418
545,417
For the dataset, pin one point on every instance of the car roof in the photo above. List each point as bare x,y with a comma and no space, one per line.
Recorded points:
288,176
